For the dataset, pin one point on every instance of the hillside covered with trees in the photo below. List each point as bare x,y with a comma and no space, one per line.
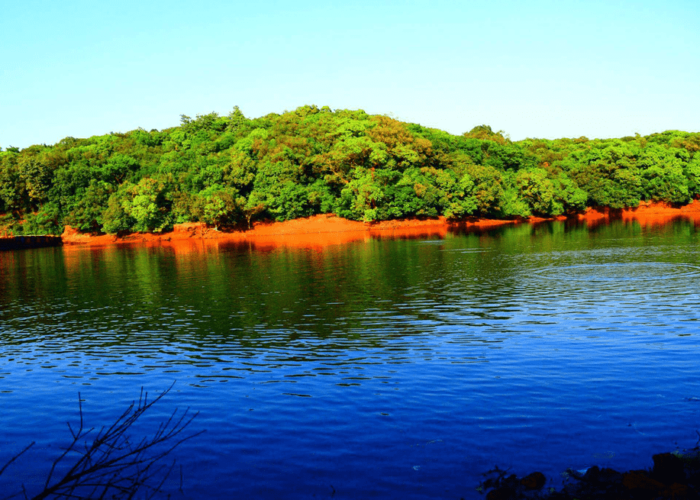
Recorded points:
229,171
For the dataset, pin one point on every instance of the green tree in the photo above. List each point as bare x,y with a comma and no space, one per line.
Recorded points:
148,206
115,218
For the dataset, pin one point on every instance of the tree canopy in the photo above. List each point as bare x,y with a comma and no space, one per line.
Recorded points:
231,170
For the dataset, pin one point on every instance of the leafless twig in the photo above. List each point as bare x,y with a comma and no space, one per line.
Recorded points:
111,464
9,462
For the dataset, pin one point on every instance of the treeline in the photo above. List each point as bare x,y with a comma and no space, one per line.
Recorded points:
230,170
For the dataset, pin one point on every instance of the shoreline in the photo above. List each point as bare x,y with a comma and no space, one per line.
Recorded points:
327,229
317,230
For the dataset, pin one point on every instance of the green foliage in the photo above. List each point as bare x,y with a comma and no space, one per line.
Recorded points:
115,218
536,190
45,221
609,175
692,173
218,206
146,203
13,191
663,177
488,191
230,170
86,212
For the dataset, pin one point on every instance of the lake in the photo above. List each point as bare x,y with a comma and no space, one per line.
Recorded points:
378,368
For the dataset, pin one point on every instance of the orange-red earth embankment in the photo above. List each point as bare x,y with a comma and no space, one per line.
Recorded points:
648,213
324,230
315,231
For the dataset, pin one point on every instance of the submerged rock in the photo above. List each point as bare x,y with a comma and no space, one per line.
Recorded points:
668,468
673,477
534,481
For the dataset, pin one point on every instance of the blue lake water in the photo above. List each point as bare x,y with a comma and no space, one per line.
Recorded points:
381,368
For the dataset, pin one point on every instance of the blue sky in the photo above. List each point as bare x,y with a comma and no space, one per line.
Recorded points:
535,68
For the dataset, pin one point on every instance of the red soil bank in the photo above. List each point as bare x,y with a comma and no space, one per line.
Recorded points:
309,232
648,213
324,230
645,209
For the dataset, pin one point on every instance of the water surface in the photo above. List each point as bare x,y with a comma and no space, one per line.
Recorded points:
380,368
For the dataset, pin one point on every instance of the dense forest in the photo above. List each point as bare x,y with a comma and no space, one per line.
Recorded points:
229,171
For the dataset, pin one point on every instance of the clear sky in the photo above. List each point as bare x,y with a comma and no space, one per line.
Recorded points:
533,68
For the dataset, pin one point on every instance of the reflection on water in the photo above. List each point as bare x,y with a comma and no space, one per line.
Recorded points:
379,367
618,272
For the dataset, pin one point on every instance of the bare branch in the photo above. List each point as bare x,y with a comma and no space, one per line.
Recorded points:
112,465
16,457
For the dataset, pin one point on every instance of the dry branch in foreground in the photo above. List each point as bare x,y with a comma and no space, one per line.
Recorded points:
108,463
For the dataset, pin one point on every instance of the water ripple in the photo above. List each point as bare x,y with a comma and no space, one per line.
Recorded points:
630,271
